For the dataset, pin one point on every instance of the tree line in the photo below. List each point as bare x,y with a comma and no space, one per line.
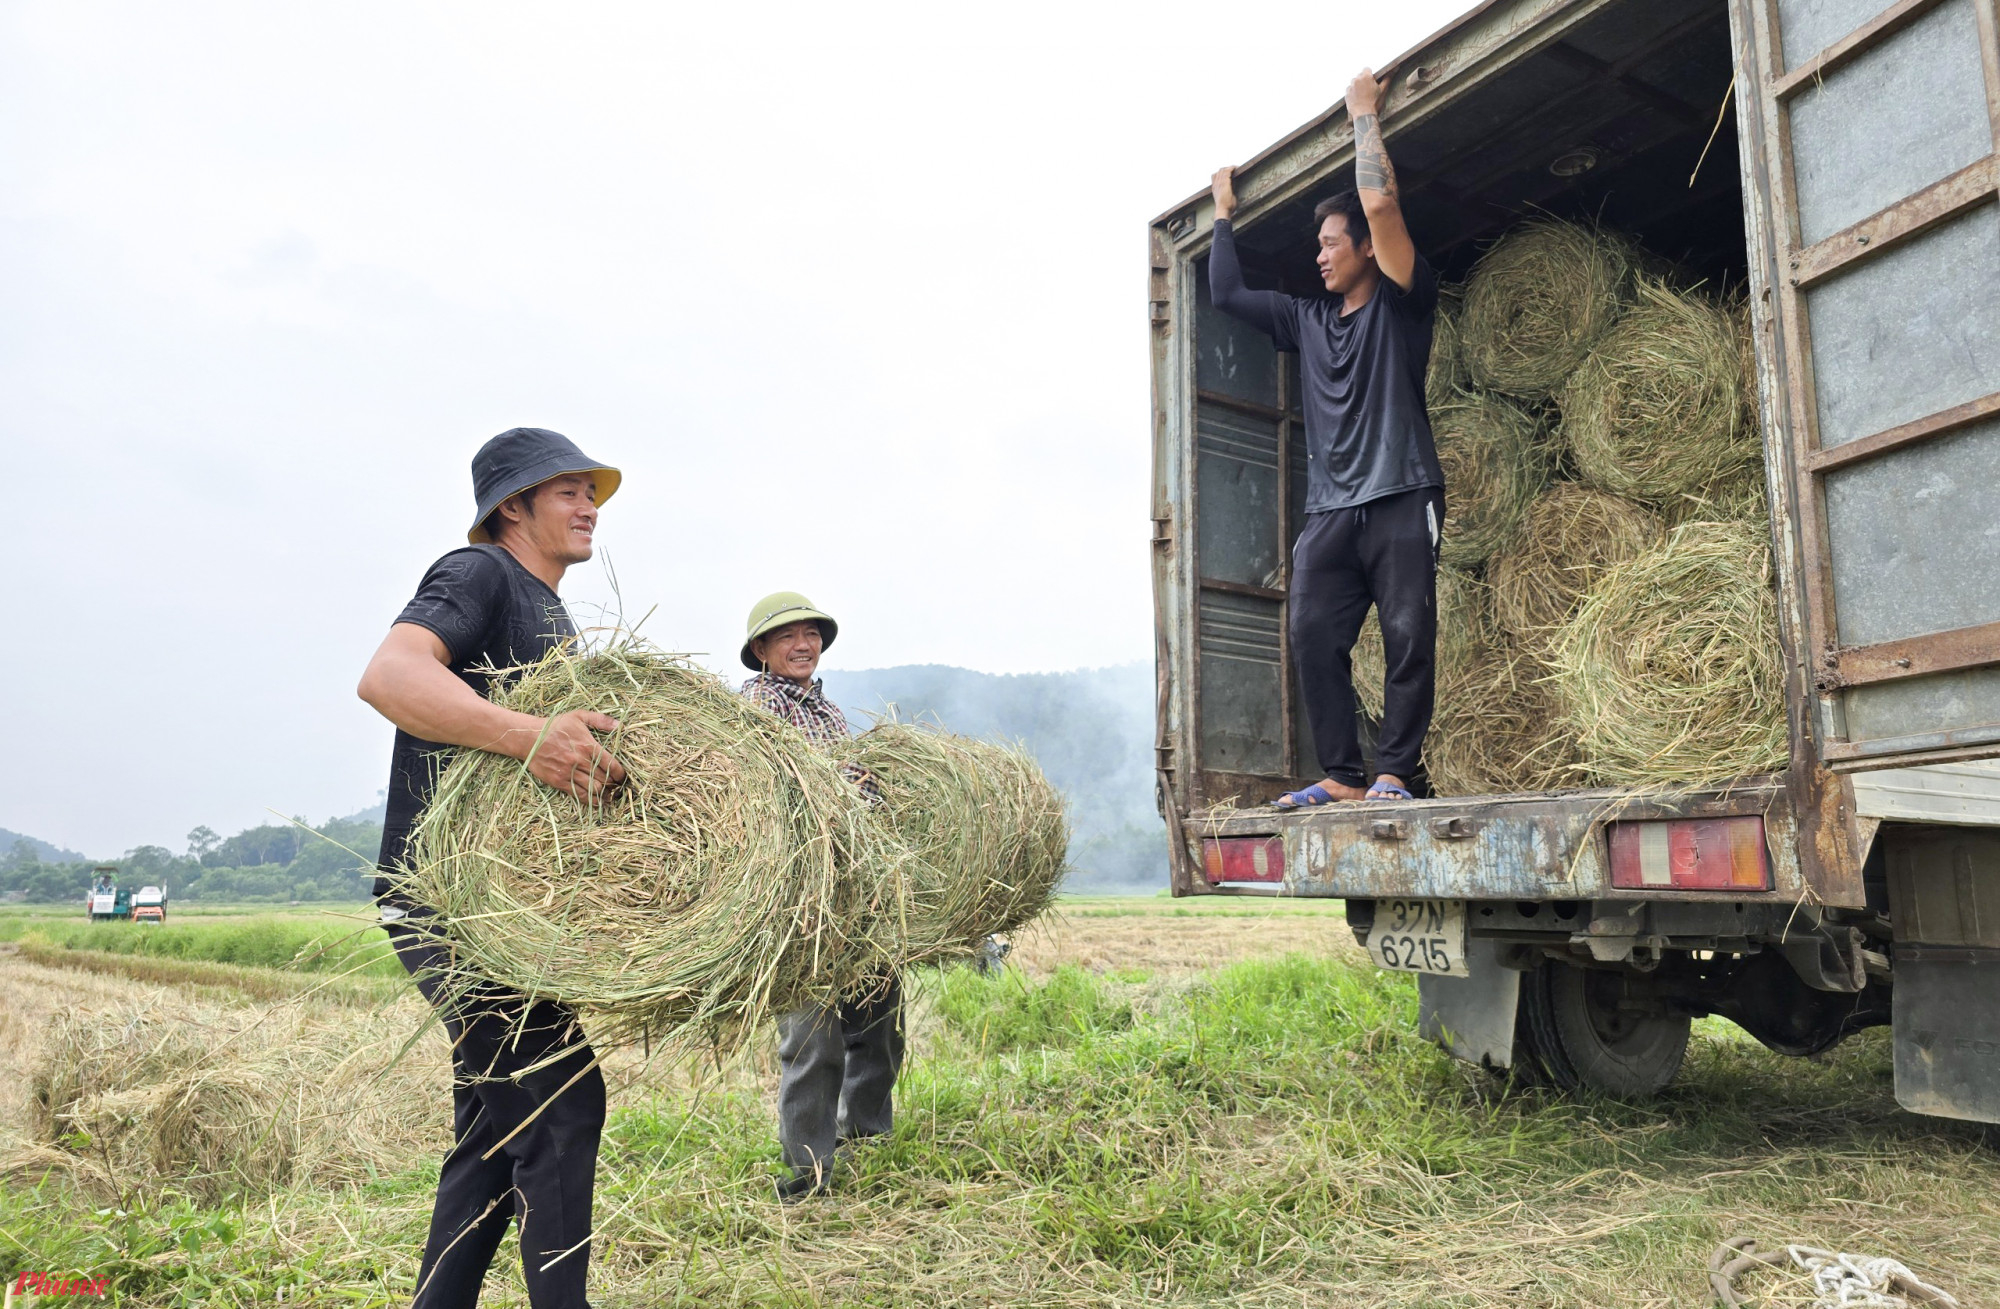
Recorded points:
275,863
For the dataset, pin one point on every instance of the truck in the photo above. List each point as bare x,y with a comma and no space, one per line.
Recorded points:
1835,159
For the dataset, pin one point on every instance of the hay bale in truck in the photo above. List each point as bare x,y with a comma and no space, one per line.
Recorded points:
1838,870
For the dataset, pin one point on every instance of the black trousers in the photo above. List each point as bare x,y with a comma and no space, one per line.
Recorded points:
1383,553
545,1174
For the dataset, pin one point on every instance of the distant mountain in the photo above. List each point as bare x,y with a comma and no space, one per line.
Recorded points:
376,813
1091,731
48,854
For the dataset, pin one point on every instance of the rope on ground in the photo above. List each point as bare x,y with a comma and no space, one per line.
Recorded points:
1842,1281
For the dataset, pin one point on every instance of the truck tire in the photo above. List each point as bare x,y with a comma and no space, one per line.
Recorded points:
1571,1023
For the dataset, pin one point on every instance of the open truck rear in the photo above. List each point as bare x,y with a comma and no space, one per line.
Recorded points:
1848,183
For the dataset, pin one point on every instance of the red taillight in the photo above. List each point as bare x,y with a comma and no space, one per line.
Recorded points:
1244,859
1691,854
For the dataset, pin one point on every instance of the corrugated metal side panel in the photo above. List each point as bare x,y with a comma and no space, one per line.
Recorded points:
1966,794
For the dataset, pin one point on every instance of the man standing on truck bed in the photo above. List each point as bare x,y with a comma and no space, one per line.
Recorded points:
1374,490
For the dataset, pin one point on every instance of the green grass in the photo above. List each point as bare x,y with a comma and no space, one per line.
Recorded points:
1269,1133
345,941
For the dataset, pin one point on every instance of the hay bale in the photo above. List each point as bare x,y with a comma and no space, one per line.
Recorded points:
988,833
1446,377
1537,301
1496,460
1573,534
734,875
1655,411
1669,671
1741,498
222,1103
1498,729
1465,627
1494,727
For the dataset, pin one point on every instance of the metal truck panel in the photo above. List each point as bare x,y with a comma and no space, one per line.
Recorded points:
1940,793
1911,333
1887,235
1862,141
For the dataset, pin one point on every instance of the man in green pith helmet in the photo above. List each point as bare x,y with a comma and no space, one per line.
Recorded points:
839,1063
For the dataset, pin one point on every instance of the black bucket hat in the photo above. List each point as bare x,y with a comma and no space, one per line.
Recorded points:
523,457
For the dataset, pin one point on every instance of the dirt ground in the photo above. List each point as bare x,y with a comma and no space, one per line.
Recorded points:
1162,941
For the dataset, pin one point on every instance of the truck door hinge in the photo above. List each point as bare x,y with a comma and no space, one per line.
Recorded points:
1163,529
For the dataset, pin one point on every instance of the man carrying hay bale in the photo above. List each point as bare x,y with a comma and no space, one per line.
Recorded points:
527,1099
1374,489
839,1062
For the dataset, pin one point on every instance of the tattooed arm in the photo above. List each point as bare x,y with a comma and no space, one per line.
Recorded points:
1375,181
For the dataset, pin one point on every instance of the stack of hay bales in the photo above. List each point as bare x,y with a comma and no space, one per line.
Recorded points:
1597,428
737,873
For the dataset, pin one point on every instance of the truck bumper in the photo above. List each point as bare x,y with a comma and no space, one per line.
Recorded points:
1534,847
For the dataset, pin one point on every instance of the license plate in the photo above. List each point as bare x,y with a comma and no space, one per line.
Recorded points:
1419,936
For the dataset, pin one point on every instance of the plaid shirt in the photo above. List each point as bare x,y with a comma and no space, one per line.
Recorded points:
804,707
808,709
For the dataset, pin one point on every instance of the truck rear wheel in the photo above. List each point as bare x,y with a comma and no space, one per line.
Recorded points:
1596,1028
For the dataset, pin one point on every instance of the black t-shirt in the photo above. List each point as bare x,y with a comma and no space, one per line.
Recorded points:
490,612
1361,378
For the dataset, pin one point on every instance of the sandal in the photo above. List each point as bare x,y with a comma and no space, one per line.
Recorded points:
1389,791
1311,798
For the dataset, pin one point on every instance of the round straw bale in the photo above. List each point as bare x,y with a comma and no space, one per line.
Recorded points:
1655,411
1446,376
1465,627
1537,301
1573,534
1669,671
1497,729
987,832
734,874
1738,498
1496,460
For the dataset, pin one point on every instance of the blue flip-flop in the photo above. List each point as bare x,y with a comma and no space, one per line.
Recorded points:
1388,791
1311,798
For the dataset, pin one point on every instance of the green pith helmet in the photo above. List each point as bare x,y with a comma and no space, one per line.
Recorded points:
781,609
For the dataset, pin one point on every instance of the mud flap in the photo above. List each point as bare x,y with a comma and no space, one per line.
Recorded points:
1947,1023
1473,1017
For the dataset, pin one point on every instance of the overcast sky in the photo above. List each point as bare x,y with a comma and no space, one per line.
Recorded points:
853,294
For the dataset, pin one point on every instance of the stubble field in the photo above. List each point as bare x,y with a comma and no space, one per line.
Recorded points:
1158,1104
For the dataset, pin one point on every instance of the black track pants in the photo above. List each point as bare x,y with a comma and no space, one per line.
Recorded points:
544,1175
1383,553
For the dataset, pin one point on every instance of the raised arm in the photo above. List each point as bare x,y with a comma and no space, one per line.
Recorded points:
1264,310
410,683
1375,182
